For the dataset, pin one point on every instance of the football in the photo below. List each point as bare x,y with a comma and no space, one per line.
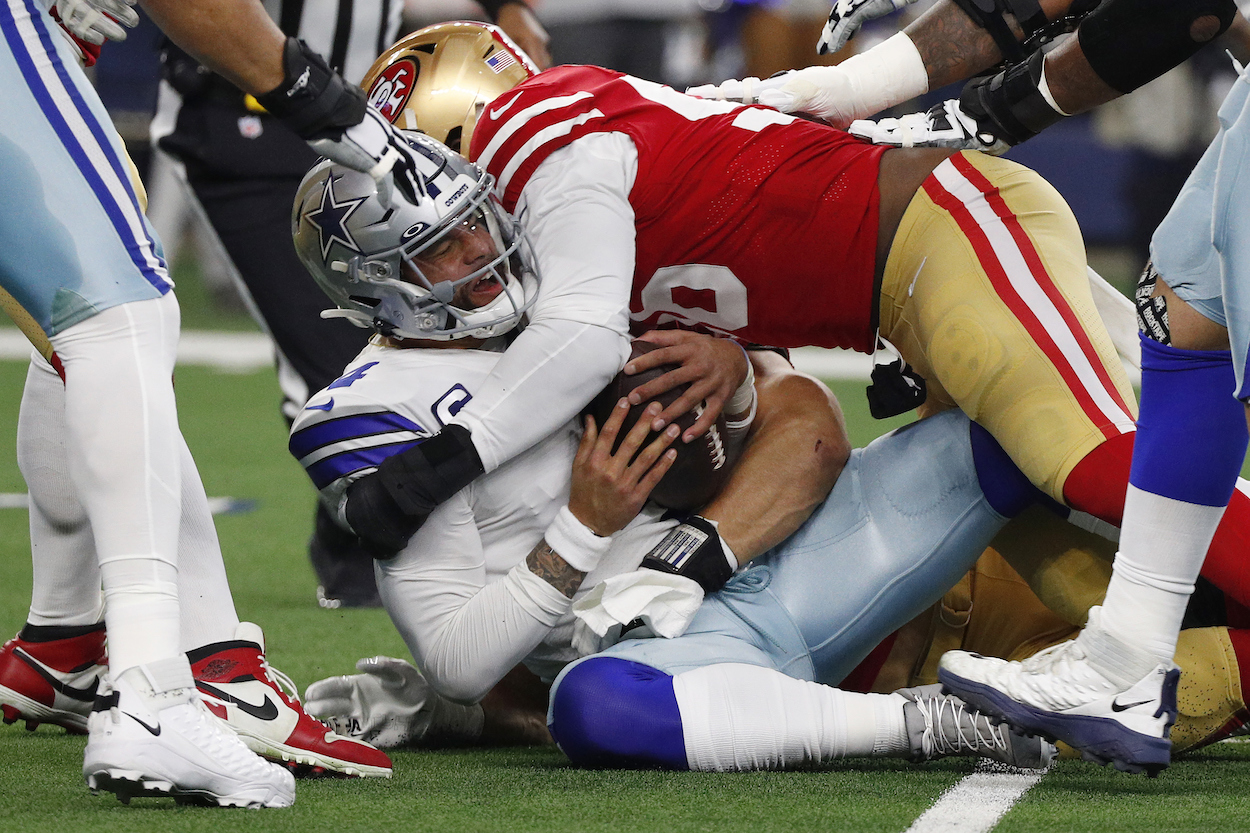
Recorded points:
701,467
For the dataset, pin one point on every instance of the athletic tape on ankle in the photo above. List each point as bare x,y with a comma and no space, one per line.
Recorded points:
574,542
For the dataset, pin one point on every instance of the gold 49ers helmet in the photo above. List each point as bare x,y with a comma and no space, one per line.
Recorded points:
438,79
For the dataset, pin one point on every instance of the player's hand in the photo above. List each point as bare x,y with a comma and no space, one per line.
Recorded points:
824,92
846,18
609,488
376,147
944,125
388,704
714,368
520,24
96,21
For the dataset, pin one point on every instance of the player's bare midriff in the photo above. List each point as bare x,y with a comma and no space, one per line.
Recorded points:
900,176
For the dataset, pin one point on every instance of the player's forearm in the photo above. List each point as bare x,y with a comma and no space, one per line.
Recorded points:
544,379
467,652
235,38
1073,83
954,48
797,449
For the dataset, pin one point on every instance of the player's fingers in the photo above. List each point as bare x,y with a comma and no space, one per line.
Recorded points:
711,410
681,375
672,354
590,434
655,473
636,437
611,428
648,456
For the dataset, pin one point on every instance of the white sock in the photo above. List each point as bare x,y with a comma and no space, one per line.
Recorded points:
1163,543
141,611
744,717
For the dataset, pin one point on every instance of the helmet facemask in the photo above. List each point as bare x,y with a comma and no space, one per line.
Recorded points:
369,249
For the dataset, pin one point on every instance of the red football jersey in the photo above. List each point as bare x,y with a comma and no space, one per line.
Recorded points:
749,222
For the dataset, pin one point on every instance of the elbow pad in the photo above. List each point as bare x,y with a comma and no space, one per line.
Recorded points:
1010,105
385,508
1131,42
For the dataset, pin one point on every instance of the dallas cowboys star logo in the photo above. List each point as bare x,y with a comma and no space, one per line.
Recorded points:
331,218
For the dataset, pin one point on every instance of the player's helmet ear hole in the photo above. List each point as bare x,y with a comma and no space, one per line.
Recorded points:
453,140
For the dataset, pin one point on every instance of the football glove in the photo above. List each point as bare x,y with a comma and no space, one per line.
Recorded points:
824,92
848,15
390,704
946,124
335,119
96,21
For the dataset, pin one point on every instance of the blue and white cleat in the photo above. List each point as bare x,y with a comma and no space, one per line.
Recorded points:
1064,695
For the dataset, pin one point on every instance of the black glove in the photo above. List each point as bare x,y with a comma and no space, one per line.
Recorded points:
693,549
385,508
335,119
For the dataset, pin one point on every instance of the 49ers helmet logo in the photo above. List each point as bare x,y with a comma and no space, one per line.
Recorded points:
390,91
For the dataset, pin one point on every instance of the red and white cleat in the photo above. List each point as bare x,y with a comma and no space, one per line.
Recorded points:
50,674
262,705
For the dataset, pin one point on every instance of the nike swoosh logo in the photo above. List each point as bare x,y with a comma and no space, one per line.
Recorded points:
264,711
499,111
916,276
1116,706
85,694
329,404
156,731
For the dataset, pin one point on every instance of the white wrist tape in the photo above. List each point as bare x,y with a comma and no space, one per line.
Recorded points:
574,542
743,399
890,73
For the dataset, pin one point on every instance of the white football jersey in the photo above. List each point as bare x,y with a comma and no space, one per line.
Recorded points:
449,591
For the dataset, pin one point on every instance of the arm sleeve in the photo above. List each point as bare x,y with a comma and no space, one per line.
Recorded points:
576,211
465,634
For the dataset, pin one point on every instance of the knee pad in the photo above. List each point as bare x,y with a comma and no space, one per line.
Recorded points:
1191,438
609,712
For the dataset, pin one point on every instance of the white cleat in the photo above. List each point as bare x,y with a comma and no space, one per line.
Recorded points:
153,736
1122,716
940,725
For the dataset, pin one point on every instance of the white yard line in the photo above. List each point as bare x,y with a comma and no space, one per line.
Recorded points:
979,801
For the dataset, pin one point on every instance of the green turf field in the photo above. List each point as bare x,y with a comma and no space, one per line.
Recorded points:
232,425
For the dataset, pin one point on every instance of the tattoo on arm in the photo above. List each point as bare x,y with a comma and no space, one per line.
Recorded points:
547,564
952,46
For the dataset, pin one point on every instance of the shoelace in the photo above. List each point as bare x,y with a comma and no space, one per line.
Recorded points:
281,682
935,740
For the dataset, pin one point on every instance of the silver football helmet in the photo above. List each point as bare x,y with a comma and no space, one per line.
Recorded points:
364,242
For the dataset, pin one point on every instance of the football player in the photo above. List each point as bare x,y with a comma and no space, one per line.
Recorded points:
82,273
639,198
1181,495
491,578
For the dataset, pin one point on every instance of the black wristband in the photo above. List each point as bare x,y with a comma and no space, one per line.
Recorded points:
1011,103
313,100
